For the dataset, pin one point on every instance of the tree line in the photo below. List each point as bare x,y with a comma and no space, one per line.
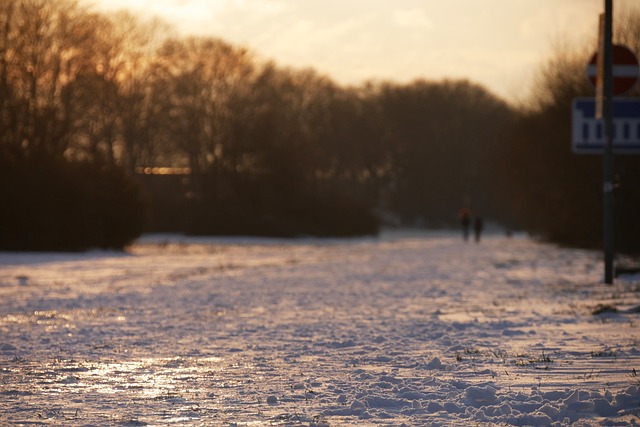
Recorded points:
94,107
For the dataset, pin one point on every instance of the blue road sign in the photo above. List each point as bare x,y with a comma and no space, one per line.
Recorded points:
588,132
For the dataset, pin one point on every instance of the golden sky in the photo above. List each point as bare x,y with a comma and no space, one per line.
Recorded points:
497,43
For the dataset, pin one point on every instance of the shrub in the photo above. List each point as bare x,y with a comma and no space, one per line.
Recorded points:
58,205
321,214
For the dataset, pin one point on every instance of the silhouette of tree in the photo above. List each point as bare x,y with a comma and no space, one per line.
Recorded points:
46,46
442,136
51,200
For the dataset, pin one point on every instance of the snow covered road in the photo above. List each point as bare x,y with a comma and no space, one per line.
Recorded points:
405,329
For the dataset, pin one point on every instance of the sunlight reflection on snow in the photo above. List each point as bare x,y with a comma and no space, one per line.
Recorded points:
151,377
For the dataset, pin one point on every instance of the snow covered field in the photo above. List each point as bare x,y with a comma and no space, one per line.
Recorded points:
404,329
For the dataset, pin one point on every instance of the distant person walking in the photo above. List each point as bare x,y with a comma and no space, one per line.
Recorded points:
465,222
478,225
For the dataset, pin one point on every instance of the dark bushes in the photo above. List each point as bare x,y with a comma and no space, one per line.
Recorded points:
320,214
58,205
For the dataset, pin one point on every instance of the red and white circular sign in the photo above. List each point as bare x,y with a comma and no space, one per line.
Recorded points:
625,69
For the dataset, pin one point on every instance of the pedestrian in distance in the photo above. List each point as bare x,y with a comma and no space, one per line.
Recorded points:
478,225
465,222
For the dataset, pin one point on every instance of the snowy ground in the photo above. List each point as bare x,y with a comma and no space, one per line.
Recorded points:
411,330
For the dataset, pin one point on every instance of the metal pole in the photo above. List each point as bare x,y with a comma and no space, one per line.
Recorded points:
607,80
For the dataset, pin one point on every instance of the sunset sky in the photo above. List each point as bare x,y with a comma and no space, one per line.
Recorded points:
497,43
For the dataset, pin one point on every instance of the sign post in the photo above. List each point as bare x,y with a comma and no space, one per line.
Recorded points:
607,110
614,70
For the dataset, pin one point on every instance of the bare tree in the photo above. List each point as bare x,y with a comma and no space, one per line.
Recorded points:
46,47
199,76
116,94
440,135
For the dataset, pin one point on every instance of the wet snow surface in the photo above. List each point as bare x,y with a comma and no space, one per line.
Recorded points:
408,330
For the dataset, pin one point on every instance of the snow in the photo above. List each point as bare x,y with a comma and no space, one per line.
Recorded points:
406,329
